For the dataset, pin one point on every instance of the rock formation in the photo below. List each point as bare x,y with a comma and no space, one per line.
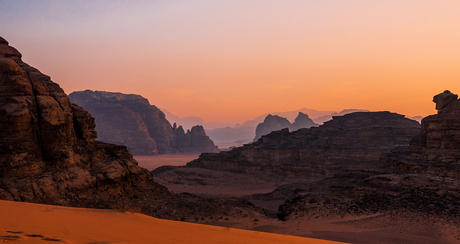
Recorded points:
130,120
350,143
48,153
275,122
195,140
423,179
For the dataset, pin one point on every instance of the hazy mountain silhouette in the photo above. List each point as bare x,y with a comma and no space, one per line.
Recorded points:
322,119
275,122
190,121
226,135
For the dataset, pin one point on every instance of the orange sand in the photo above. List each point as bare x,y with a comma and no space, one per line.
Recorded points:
36,223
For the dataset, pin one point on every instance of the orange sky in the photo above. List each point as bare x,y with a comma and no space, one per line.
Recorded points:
230,61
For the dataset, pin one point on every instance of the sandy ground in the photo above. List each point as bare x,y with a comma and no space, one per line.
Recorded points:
367,229
36,223
153,162
212,183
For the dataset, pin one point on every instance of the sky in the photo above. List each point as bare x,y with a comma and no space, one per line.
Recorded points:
231,61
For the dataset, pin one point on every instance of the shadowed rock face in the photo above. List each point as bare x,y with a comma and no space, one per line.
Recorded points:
353,142
48,153
129,119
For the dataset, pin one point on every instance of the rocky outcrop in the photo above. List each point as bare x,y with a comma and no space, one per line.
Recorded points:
275,122
350,143
195,140
48,153
423,179
441,131
130,120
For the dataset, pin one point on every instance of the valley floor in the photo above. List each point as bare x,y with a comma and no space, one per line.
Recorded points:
394,228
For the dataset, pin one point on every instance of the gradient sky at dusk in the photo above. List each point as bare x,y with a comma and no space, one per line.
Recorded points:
230,61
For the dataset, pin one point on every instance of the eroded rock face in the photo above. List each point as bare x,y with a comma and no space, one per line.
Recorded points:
353,142
130,120
48,153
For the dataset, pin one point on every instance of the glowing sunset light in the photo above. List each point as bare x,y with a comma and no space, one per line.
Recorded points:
231,61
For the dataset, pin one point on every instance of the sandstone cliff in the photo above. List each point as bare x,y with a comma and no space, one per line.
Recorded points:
130,120
48,153
275,122
350,143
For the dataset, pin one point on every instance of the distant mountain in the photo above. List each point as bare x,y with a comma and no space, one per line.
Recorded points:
190,121
290,115
227,135
271,123
302,121
231,134
324,118
275,122
416,118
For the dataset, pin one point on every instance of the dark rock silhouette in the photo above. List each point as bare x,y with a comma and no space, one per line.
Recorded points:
48,154
130,120
275,122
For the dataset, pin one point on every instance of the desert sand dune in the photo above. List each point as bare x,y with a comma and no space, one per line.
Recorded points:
37,223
